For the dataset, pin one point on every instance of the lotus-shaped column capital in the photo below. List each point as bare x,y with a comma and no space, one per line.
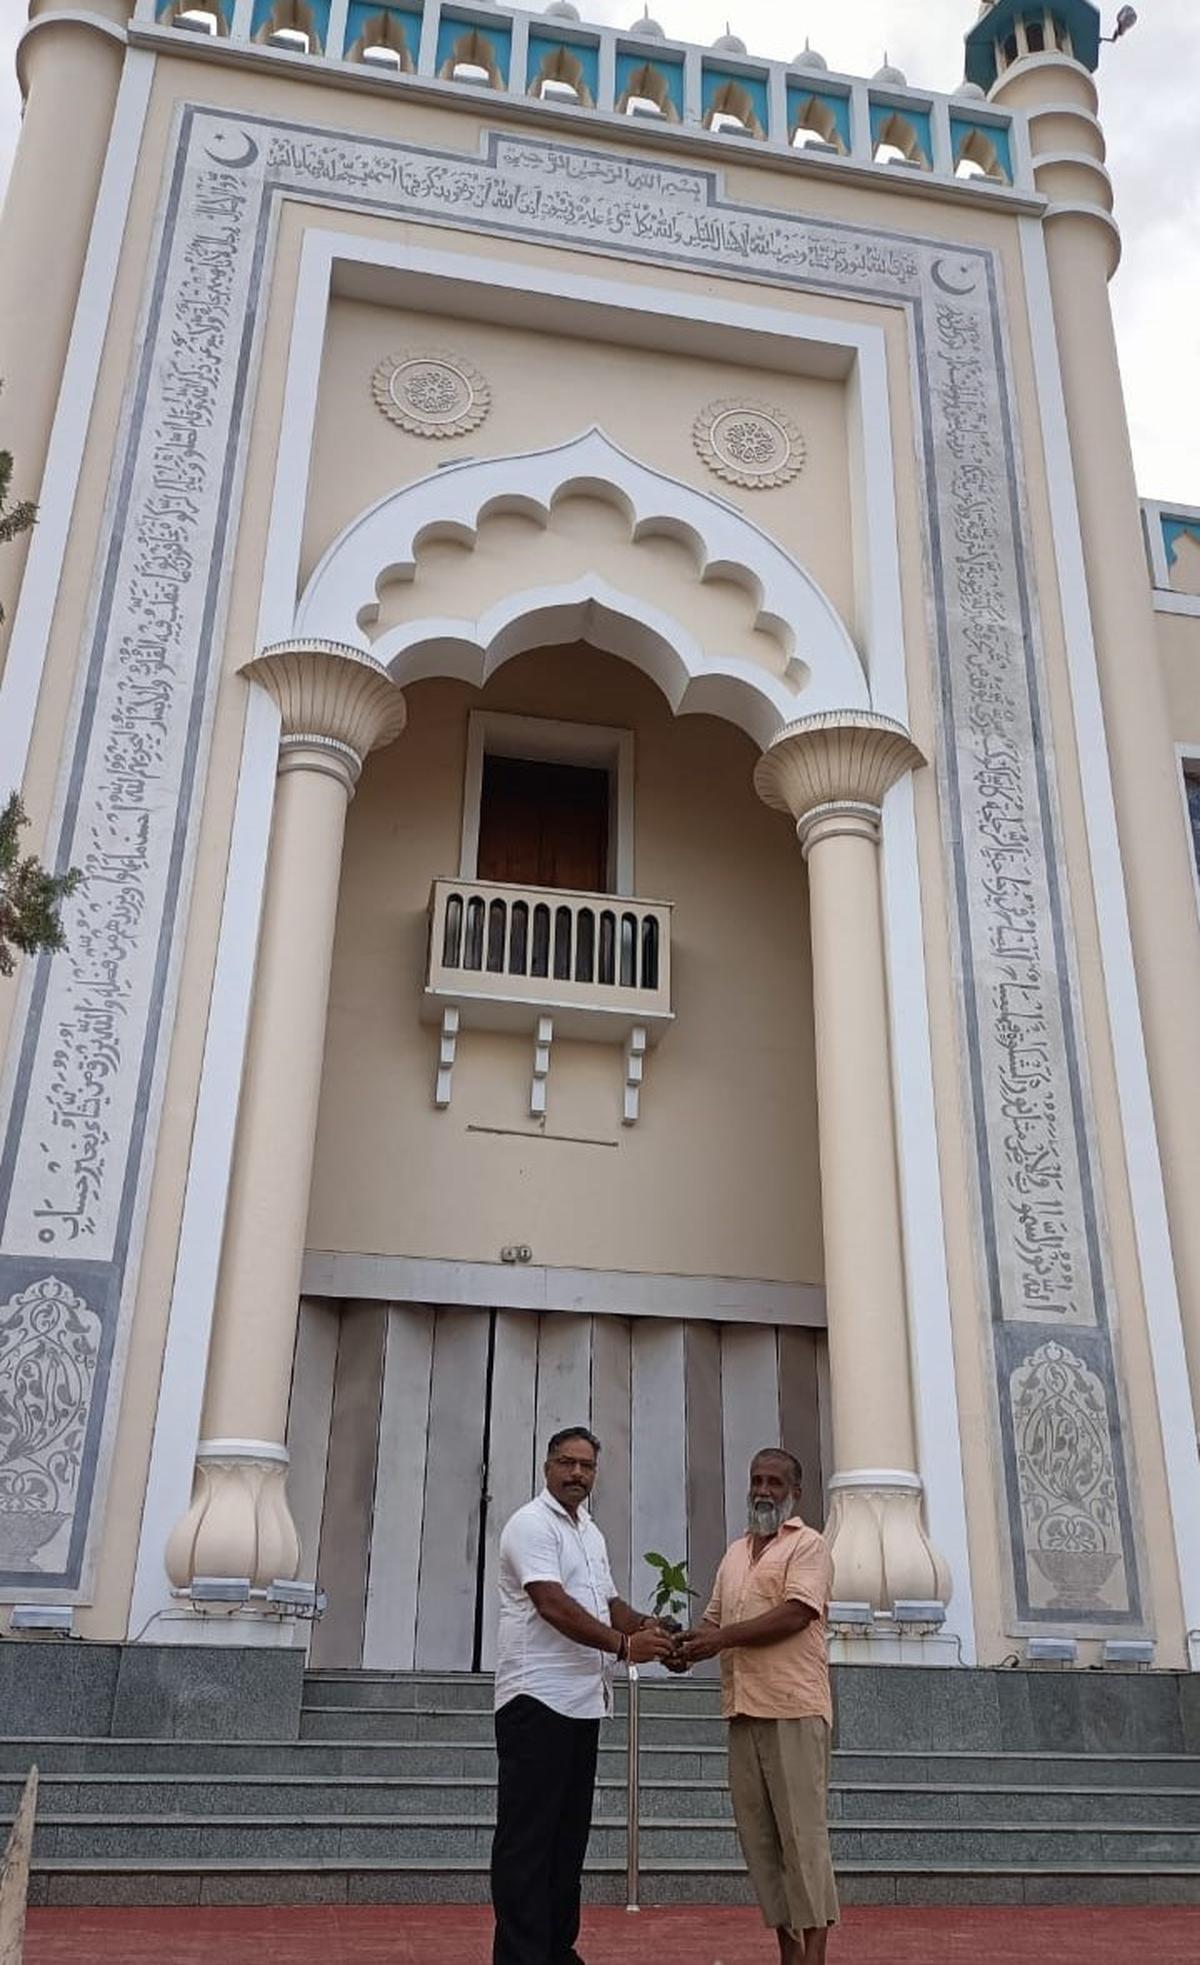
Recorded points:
330,696
838,761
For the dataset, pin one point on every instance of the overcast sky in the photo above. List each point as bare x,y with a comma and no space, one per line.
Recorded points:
1150,84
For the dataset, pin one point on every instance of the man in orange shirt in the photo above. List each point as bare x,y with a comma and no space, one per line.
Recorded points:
766,1622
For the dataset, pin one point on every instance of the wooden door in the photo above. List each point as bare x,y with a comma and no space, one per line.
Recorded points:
544,825
439,1425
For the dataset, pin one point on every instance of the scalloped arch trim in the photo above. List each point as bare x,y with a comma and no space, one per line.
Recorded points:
822,668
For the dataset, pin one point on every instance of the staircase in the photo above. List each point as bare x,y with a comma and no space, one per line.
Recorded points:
388,1796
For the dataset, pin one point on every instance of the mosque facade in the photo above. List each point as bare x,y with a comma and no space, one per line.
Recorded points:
634,752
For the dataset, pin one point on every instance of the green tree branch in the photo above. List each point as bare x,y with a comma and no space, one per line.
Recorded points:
14,519
30,897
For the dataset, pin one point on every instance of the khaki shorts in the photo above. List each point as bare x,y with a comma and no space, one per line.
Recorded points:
779,1784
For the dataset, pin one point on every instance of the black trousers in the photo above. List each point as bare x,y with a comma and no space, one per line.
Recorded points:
543,1818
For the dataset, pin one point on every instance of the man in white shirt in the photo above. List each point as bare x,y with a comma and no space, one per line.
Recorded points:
563,1629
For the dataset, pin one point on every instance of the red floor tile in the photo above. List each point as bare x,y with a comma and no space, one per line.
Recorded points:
447,1935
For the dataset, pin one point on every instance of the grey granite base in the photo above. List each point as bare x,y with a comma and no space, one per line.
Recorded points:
894,1707
55,1687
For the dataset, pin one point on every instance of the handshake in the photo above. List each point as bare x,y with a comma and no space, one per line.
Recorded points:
663,1641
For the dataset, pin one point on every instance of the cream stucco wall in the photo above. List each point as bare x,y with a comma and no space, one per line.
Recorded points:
719,1176
546,389
1178,651
728,1110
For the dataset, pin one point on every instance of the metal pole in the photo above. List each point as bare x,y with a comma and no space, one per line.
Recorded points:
633,1809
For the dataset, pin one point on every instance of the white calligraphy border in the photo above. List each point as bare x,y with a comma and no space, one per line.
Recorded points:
773,219
109,1282
1181,1450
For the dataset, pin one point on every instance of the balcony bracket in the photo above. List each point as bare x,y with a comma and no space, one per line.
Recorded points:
635,1067
541,1066
577,966
447,1047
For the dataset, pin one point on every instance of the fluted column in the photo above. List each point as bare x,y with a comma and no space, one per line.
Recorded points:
831,772
336,705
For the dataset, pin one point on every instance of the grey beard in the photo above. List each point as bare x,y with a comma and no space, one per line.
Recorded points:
764,1517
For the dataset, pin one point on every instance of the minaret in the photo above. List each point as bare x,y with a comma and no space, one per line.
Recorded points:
69,65
1041,59
1011,31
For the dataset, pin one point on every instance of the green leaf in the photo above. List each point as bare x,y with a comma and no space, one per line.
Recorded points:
30,897
671,1591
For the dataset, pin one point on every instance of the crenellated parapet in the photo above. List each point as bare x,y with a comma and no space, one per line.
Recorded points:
571,66
1173,553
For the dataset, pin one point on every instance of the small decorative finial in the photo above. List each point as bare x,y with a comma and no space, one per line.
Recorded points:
809,58
889,77
729,43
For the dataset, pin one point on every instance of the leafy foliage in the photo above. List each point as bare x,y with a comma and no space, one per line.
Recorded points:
671,1592
14,519
30,897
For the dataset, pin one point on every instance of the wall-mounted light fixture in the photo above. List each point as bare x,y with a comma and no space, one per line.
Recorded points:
301,1599
1051,1651
56,1617
282,1597
919,1611
1128,1651
219,1589
851,1616
1126,19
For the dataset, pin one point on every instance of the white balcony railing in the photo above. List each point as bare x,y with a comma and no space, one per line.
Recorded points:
598,964
551,963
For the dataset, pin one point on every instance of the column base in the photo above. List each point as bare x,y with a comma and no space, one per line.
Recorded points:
882,1554
890,1644
242,1629
239,1524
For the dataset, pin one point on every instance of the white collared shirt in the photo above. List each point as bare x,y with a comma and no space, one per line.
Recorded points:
542,1544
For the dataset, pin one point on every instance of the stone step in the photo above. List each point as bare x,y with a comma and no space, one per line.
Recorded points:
408,1722
396,1881
230,1759
404,1797
388,1795
881,1708
878,1844
344,1723
1117,1771
473,1692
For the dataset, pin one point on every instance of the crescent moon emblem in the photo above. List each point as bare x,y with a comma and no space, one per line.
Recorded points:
946,285
248,156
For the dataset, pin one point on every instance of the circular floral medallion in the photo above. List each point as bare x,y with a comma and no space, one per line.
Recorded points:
431,395
749,443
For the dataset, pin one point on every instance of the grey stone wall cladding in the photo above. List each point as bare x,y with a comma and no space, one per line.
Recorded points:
54,1687
893,1707
83,1102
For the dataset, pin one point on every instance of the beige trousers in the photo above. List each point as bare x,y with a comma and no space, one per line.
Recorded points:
779,1784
